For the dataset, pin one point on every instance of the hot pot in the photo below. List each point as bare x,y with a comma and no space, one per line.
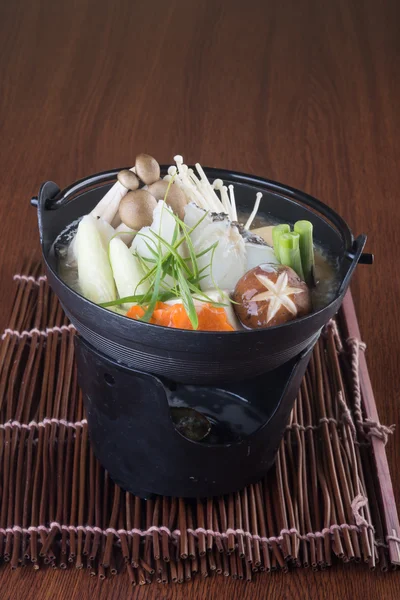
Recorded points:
134,375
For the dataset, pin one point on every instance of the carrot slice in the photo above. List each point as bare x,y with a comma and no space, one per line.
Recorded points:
211,318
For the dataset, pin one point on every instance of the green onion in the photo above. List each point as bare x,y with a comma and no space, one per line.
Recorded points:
154,296
138,299
277,231
289,252
187,300
305,231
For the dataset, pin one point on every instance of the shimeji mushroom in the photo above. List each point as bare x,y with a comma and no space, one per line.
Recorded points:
128,179
136,209
175,199
108,206
147,168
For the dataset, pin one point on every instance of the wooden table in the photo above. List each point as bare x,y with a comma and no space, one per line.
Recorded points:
305,92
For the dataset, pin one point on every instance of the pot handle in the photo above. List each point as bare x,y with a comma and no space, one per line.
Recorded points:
356,256
51,197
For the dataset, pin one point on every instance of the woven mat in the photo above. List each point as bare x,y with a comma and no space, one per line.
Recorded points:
318,504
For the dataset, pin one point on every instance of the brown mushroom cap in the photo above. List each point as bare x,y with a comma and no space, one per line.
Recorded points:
136,209
262,302
128,179
147,168
176,198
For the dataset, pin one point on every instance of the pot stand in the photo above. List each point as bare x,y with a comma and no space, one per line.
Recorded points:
130,419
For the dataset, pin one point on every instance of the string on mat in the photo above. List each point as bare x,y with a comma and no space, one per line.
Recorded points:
177,533
46,421
35,331
368,427
29,278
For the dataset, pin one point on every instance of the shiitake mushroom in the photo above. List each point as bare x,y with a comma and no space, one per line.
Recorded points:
270,295
136,209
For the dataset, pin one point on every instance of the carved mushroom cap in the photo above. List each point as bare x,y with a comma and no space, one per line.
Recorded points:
176,198
136,209
128,179
147,168
270,295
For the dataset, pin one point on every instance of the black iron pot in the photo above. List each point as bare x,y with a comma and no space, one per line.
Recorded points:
187,356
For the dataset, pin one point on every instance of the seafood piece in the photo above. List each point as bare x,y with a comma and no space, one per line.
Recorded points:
223,266
257,251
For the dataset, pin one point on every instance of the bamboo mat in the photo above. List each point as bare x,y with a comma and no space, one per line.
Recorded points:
320,502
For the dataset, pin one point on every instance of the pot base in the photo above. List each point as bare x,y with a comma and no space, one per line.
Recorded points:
133,420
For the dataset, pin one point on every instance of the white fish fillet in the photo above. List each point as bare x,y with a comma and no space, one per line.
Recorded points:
229,258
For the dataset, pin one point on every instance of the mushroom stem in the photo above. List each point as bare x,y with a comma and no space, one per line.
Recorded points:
126,234
108,206
205,185
233,202
185,183
223,190
254,211
196,188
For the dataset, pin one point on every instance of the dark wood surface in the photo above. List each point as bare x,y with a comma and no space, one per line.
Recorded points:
302,91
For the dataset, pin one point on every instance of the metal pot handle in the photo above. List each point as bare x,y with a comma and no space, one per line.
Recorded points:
356,256
51,197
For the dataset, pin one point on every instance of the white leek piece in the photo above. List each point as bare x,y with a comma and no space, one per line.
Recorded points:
127,271
94,270
106,231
